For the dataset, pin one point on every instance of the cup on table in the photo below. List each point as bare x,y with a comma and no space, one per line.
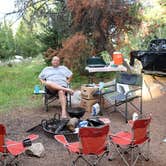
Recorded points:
36,88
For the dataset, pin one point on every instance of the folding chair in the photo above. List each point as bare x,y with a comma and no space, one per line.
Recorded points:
92,141
9,149
127,87
133,145
50,96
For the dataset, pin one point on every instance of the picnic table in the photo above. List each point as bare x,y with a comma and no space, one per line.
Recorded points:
108,68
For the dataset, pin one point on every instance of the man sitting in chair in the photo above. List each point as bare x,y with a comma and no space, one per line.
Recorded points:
56,78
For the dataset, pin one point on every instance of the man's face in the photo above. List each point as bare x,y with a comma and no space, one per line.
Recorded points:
55,61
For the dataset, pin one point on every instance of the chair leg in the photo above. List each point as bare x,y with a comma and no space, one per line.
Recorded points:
132,156
99,158
114,153
89,163
147,157
135,156
68,101
8,159
14,161
3,160
126,113
46,102
119,152
141,105
115,106
146,154
137,153
78,157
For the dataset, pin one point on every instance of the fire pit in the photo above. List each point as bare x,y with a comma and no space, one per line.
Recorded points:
55,126
77,112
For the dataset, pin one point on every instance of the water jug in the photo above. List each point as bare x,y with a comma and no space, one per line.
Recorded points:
135,116
83,123
95,109
117,58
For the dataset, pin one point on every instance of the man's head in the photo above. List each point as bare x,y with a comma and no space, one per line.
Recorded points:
55,61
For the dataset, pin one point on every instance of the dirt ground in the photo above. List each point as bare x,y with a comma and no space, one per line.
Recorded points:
19,121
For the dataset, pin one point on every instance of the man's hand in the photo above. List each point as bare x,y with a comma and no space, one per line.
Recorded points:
69,80
43,82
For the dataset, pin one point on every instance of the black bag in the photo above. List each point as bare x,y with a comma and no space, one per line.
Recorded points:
27,142
95,122
95,61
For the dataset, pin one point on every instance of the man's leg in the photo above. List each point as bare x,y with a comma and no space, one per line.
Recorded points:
55,86
62,99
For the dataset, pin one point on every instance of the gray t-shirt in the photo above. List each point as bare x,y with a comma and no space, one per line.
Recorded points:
57,75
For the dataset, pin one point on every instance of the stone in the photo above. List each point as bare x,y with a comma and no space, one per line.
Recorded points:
36,149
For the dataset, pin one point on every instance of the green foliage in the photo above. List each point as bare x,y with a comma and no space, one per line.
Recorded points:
134,10
78,80
153,18
49,19
104,25
51,38
7,45
106,57
27,43
24,43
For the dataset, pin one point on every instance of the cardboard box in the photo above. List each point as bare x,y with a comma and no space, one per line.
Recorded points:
88,91
87,104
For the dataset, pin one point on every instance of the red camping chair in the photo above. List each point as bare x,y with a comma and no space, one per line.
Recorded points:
132,144
10,149
93,141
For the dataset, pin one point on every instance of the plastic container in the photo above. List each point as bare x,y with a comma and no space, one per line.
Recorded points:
117,58
95,109
101,85
83,123
135,116
36,89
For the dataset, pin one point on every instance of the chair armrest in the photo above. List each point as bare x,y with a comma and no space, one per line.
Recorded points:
61,139
131,91
107,89
100,92
110,85
107,92
40,92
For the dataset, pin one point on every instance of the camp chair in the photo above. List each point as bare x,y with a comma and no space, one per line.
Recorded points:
9,149
127,87
92,141
50,96
133,145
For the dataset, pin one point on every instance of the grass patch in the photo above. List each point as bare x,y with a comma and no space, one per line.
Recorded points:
17,82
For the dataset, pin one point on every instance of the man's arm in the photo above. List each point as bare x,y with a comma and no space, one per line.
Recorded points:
42,81
69,79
